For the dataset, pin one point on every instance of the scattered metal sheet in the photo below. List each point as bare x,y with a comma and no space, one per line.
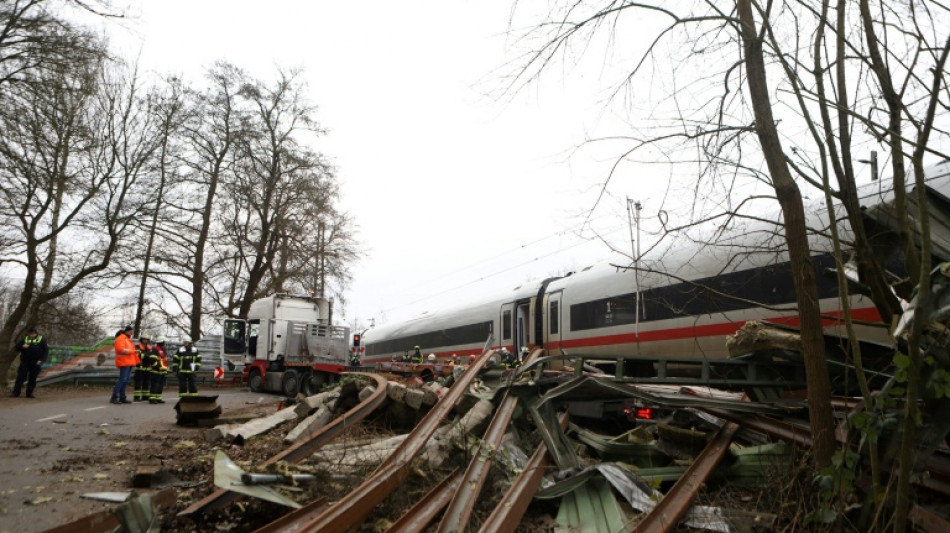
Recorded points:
552,433
587,387
754,466
227,476
305,447
639,454
137,515
112,497
636,488
591,507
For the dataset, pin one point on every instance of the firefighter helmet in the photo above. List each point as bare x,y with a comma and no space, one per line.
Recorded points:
431,357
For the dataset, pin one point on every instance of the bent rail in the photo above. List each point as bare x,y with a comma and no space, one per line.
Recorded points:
354,507
304,448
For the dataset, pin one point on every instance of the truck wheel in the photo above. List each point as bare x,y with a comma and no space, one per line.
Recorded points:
255,381
290,385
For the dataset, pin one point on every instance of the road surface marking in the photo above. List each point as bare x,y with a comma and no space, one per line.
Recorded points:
54,417
95,408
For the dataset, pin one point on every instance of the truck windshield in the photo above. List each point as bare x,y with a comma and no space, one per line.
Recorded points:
234,337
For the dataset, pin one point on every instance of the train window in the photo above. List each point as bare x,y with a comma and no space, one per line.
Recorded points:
466,334
769,285
555,318
506,325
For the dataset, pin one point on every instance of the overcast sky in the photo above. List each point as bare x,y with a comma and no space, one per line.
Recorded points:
456,192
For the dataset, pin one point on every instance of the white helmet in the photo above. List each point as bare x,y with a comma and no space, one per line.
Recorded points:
186,341
160,340
431,357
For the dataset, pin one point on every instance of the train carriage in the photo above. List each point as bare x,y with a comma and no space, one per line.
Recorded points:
682,301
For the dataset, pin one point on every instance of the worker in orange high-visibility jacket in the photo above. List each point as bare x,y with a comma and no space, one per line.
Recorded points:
126,358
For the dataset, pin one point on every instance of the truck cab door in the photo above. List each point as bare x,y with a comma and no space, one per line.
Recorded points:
234,340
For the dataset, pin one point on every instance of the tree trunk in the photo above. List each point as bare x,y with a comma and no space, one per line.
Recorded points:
803,272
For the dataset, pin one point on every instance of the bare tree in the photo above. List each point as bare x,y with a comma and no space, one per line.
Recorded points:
839,76
68,174
280,185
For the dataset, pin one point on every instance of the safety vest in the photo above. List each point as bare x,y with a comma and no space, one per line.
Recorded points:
38,339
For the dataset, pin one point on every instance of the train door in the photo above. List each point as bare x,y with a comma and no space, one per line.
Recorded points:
521,325
552,314
507,323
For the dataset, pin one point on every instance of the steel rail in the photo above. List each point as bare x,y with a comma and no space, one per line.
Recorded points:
288,522
506,516
671,509
424,512
928,520
457,515
350,510
770,426
304,448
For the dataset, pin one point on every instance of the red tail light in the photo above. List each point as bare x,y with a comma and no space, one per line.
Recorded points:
646,414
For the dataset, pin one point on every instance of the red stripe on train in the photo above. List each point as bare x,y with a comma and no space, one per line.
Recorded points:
869,314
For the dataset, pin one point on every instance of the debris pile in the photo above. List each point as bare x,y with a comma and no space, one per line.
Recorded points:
562,443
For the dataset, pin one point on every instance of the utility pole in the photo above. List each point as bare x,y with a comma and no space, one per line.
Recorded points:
873,163
633,216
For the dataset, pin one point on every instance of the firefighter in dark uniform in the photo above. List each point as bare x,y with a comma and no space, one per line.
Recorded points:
141,374
417,356
33,351
187,361
163,361
153,365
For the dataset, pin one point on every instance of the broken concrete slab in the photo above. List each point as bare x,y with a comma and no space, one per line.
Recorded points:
310,404
309,425
414,398
263,425
396,391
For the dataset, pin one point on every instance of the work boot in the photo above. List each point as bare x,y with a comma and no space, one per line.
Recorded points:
14,394
124,400
113,400
30,396
139,398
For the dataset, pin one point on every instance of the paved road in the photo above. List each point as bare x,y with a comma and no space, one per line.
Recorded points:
69,442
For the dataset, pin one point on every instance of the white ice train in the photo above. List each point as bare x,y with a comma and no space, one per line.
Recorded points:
681,302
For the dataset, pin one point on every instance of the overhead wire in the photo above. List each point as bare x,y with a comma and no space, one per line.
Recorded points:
567,231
